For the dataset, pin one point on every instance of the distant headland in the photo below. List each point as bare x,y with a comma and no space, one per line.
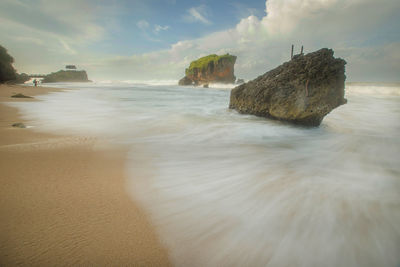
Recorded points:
211,68
9,75
70,74
66,76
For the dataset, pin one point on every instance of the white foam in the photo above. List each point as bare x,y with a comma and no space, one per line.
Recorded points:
137,82
234,190
223,85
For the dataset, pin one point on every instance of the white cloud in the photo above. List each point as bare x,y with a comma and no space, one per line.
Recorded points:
44,17
146,32
142,24
57,31
262,44
67,47
363,32
158,28
26,39
241,10
197,14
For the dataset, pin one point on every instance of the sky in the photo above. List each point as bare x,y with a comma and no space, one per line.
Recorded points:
157,39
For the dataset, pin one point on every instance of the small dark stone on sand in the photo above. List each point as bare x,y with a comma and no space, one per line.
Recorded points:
19,125
21,96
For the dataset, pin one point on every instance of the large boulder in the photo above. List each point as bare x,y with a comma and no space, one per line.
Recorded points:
209,69
301,91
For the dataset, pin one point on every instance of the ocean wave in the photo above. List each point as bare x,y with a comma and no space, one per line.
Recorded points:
231,190
373,89
137,82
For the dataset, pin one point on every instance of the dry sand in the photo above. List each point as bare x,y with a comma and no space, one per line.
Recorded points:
63,201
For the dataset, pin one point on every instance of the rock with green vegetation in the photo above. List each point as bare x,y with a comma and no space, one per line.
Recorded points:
302,91
19,95
19,125
209,69
7,71
66,76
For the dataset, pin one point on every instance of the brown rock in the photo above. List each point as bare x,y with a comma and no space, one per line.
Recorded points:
18,125
209,69
185,81
19,95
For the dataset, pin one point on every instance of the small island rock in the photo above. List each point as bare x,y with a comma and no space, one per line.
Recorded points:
301,91
209,69
66,76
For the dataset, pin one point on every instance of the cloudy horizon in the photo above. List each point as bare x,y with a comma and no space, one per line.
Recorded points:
157,39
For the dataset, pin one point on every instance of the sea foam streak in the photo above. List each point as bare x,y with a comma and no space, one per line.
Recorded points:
232,190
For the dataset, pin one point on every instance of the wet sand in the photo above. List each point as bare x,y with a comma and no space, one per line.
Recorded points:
63,199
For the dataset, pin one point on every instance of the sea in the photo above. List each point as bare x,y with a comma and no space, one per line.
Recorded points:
226,189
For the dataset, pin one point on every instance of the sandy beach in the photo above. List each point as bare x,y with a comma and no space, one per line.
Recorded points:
63,199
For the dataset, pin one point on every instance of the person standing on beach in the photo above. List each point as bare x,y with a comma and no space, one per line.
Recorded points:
35,82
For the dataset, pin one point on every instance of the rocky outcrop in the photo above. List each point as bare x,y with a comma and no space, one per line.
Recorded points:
239,81
185,81
66,76
209,69
301,91
7,72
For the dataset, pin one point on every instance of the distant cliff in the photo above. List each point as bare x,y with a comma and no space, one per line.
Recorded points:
66,76
212,68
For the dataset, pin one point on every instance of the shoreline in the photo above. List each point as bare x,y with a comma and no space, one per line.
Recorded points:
63,199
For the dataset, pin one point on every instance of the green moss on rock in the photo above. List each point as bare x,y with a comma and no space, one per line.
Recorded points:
202,63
